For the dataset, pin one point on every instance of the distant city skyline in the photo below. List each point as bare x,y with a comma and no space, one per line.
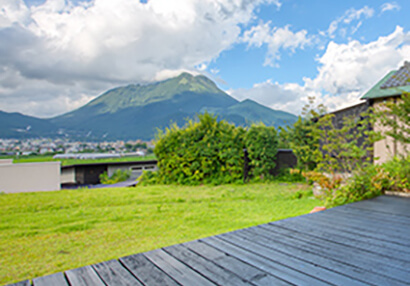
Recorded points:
57,55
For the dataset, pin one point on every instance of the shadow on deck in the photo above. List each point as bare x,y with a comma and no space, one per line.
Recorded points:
364,243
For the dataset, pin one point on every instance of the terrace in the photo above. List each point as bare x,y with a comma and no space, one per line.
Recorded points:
364,243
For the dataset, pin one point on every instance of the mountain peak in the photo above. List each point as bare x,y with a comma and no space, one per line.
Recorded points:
185,78
185,75
134,95
136,111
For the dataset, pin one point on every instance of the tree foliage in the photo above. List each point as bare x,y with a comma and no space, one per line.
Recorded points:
396,116
262,145
209,151
345,148
301,138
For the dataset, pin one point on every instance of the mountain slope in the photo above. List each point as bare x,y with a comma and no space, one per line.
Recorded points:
17,125
248,111
142,95
137,111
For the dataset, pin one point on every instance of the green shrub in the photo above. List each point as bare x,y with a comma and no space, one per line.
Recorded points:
209,151
116,177
204,152
262,145
289,175
372,181
366,183
398,172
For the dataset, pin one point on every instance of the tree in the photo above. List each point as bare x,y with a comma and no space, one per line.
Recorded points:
301,138
347,148
396,116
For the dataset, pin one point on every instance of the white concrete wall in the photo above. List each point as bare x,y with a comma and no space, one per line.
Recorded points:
29,177
6,161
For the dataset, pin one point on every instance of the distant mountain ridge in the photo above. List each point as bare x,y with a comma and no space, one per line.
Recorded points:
137,111
17,125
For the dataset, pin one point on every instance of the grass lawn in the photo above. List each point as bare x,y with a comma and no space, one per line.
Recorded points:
65,162
47,232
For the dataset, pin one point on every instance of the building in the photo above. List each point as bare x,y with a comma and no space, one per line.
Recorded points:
389,88
89,174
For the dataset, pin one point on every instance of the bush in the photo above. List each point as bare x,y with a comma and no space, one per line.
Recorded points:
204,152
371,181
398,172
116,177
290,175
262,145
367,183
209,151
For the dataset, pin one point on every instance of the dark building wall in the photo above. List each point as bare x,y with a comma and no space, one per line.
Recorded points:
89,175
354,111
284,159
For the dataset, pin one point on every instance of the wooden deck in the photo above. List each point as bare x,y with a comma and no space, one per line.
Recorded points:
365,243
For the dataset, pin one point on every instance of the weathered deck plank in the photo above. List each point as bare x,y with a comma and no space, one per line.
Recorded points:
21,283
354,239
211,271
275,268
84,276
392,218
146,271
291,247
51,280
247,272
364,243
342,254
269,251
113,273
178,271
361,259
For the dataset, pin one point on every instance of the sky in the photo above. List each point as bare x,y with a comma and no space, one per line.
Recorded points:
57,55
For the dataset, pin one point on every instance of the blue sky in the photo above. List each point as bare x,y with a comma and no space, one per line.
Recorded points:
56,55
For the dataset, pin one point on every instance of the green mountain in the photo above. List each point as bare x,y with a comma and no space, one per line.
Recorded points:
17,125
137,111
248,111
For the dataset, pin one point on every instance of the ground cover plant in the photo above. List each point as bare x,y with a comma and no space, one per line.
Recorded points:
47,232
66,162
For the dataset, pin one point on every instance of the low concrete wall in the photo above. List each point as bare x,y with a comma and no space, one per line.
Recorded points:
29,177
6,161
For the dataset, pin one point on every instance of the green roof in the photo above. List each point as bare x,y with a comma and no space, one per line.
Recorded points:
388,86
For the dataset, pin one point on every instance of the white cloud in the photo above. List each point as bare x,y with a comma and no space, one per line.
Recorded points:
104,43
389,7
354,66
345,73
347,19
266,93
275,38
